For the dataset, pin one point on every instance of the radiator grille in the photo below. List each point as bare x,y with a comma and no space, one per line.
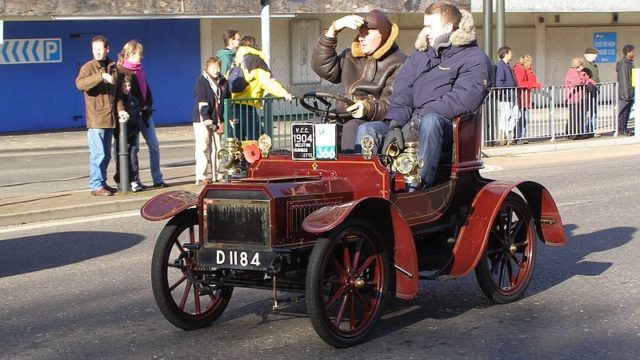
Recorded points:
238,222
299,210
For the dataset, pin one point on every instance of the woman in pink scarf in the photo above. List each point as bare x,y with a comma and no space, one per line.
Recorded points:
575,95
130,63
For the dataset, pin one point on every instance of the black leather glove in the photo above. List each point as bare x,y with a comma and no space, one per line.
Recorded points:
394,135
411,130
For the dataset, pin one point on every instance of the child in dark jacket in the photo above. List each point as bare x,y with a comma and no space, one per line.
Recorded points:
132,107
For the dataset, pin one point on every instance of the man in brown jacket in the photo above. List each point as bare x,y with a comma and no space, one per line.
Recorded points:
97,79
366,70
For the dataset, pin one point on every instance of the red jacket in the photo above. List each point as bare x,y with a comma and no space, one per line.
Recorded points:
525,81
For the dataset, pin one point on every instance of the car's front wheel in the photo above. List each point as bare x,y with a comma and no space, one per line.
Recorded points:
174,277
347,283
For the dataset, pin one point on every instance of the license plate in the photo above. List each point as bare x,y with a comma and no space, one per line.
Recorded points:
241,259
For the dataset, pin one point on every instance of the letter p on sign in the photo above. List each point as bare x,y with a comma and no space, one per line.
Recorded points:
52,49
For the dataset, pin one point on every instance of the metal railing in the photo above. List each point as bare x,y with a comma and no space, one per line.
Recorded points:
505,120
548,113
248,118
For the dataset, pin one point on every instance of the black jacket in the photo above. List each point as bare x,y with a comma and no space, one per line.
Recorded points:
207,105
623,68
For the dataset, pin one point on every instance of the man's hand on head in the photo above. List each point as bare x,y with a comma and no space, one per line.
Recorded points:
349,21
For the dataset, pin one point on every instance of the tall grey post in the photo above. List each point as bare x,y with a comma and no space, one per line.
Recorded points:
488,27
265,27
635,77
500,40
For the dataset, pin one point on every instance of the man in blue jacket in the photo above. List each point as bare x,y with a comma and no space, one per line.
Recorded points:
448,76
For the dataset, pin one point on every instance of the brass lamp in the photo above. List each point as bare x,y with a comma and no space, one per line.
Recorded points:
409,165
367,145
229,157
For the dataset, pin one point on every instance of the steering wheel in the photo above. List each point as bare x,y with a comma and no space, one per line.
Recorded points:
313,101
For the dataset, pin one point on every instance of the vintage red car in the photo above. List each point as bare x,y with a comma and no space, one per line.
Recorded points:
343,230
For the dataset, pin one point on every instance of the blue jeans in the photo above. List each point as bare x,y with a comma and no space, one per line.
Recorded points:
99,141
521,130
435,131
148,131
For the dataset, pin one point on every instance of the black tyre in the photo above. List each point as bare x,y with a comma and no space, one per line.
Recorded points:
173,289
505,269
347,283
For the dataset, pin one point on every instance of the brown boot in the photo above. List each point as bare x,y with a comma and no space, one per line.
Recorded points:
101,192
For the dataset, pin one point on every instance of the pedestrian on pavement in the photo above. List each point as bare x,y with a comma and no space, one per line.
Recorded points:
130,64
526,80
366,69
231,40
98,80
625,89
210,90
508,113
448,75
260,81
575,94
591,68
133,120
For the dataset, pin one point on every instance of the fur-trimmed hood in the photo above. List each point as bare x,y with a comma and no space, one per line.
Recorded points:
356,48
464,35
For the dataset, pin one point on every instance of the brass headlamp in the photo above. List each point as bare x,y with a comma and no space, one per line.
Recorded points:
367,146
229,157
409,165
264,144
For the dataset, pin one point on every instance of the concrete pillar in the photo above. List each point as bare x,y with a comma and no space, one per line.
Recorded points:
206,40
487,26
635,82
540,55
265,27
500,36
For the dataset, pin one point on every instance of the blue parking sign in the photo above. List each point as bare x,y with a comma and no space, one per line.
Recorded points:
605,43
30,51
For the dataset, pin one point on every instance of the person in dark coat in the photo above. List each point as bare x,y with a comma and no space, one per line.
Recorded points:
366,70
591,68
625,91
508,113
447,76
130,64
210,91
132,121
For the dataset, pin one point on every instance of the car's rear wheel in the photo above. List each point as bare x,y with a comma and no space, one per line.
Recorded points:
347,283
505,269
181,300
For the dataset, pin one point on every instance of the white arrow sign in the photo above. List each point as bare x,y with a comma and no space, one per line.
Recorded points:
30,51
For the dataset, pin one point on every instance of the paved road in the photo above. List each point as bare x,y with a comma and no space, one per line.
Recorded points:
81,290
65,170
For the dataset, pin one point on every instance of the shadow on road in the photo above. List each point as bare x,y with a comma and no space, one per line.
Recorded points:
34,253
443,300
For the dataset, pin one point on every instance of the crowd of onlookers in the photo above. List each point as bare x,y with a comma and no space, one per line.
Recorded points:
581,90
394,98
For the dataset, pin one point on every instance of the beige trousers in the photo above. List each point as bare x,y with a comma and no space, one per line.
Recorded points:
207,145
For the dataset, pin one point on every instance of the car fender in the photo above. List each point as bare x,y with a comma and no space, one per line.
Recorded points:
168,204
405,257
474,235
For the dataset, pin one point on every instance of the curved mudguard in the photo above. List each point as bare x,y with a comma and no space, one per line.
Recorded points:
405,257
473,236
168,204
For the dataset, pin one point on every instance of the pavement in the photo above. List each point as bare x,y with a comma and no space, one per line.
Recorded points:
44,205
